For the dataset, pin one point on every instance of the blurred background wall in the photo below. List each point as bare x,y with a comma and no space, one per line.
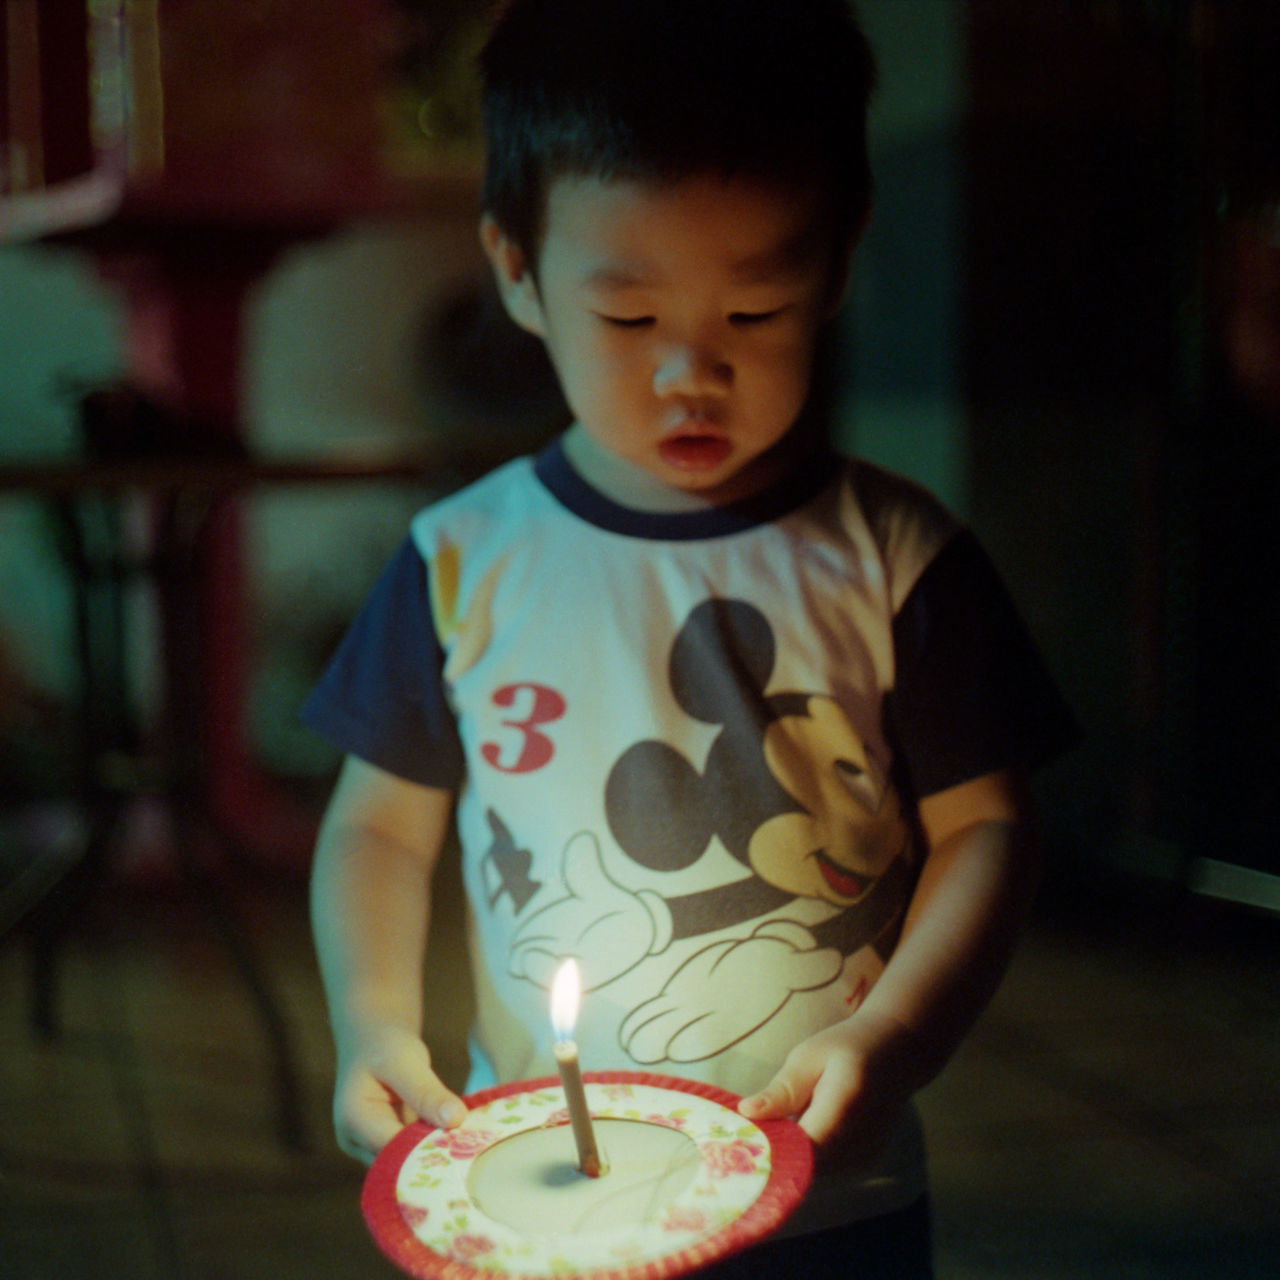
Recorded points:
1036,331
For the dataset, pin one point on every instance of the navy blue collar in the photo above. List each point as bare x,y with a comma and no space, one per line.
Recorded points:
557,474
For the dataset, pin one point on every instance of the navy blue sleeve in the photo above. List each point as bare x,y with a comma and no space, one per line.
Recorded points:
972,694
382,696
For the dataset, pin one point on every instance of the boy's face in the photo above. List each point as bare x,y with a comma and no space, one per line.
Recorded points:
681,319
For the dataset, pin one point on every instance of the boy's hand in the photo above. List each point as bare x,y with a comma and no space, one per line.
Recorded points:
385,1081
848,1085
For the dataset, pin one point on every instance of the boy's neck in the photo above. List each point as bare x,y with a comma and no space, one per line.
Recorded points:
631,486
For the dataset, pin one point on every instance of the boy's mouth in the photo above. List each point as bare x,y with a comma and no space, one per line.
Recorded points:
692,450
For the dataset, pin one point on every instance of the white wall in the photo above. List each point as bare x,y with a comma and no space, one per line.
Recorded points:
332,367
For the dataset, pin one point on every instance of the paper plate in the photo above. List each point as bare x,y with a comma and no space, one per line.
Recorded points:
688,1181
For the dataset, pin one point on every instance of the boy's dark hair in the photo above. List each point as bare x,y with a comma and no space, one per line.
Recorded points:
658,90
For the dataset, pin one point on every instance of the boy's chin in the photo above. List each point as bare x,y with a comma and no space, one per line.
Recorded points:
720,487
731,478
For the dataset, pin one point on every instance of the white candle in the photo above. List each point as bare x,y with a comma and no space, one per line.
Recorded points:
565,997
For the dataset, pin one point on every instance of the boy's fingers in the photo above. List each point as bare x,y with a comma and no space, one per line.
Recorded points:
407,1073
366,1134
826,1109
438,1105
371,1124
414,1082
389,1084
784,1095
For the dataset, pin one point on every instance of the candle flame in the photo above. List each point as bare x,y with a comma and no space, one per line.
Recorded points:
566,993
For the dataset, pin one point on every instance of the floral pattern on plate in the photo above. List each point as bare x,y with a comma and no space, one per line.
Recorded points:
734,1165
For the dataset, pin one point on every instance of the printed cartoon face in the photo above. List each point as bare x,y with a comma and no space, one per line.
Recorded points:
851,829
681,319
788,788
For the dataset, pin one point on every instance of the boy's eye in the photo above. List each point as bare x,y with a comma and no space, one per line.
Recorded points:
628,322
748,318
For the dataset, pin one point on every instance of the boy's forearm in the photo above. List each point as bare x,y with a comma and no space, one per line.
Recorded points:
961,928
370,906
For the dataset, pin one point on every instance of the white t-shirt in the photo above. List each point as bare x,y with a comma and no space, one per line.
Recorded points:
687,749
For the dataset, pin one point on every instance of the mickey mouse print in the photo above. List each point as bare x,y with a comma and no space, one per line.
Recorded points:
787,789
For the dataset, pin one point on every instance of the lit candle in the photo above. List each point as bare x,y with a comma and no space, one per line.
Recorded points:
565,995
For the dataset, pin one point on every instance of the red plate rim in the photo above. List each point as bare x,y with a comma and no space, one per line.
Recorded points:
791,1155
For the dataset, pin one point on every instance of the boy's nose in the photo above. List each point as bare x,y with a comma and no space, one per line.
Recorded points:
689,369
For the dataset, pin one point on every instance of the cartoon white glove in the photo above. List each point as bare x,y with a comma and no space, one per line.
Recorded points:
722,994
604,925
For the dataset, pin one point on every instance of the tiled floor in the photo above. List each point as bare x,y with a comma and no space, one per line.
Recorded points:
1116,1115
1117,1112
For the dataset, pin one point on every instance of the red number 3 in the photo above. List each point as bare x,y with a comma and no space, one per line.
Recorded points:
536,749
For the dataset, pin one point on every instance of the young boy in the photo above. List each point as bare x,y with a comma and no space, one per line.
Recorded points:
741,725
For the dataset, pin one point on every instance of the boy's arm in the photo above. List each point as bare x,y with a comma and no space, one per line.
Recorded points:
850,1082
370,903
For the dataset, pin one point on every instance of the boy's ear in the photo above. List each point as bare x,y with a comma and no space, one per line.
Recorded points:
514,275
